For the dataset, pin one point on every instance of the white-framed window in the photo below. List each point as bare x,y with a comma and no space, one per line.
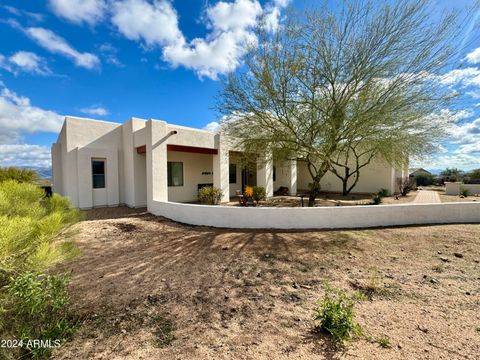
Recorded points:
175,173
98,173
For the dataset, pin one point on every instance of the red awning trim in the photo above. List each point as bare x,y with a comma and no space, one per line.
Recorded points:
189,149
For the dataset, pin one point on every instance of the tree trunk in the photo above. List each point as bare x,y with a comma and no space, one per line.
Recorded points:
314,191
345,181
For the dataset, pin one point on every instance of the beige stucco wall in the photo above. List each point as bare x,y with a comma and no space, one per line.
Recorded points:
373,177
79,141
193,166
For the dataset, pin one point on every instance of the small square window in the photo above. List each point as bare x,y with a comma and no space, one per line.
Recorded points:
232,173
98,173
175,173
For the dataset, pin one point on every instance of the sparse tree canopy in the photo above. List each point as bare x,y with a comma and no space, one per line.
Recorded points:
359,75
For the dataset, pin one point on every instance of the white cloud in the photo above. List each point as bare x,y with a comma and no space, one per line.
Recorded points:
220,52
231,26
154,23
24,61
25,155
18,12
79,11
467,77
474,56
95,110
18,116
56,44
212,126
109,53
272,14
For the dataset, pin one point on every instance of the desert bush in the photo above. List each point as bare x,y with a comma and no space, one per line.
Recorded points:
29,227
209,195
336,316
36,307
20,175
406,185
424,179
384,192
258,193
376,199
464,192
33,237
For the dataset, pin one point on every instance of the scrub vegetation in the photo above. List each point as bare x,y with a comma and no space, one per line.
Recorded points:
34,236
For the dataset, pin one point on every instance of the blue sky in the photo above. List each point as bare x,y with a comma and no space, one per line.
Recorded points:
114,59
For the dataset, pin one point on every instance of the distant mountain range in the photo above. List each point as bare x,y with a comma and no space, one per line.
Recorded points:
43,172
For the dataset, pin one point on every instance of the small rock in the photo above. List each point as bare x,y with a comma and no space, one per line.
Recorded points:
225,247
422,329
468,293
164,280
399,345
306,286
476,261
458,255
444,259
439,252
295,285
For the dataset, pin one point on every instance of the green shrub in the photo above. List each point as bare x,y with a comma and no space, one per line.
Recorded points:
383,192
259,193
29,227
36,308
209,195
336,316
384,342
464,192
20,175
424,179
376,199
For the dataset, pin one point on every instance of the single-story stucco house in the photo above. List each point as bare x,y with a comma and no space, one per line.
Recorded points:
100,163
419,171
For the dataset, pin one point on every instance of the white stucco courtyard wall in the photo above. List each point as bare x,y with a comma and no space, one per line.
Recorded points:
318,217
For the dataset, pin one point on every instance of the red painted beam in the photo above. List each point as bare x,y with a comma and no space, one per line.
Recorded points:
189,149
192,149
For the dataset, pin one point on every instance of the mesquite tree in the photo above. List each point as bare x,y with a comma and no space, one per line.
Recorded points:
361,72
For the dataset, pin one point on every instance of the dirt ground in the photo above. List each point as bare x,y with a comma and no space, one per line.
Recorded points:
457,198
330,199
148,288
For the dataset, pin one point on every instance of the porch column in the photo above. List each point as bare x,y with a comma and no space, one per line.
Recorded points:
292,176
265,174
393,181
221,168
156,146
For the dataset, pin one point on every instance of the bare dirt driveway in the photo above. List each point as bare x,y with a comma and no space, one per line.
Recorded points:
148,288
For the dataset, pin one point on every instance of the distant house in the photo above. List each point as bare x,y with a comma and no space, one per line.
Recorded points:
99,163
419,171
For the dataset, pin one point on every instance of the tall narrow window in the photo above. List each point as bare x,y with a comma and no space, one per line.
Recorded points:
232,173
175,173
98,173
274,173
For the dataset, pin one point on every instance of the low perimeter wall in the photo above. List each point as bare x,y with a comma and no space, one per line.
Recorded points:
319,217
453,188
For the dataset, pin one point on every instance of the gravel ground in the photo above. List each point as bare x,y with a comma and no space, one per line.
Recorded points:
148,288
